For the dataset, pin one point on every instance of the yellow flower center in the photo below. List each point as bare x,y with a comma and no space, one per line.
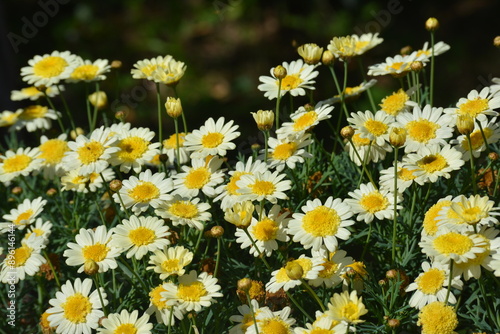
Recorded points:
184,209
472,215
191,292
90,152
321,331
432,163
360,141
351,90
431,281
144,192
360,45
284,151
397,66
476,139
473,107
350,312
274,326
132,148
453,243
231,186
21,255
212,139
53,151
30,91
290,82
38,232
422,130
374,202
16,163
23,216
438,318
50,67
197,178
329,268
171,142
148,69
125,329
265,230
76,308
96,252
321,221
430,219
263,188
393,104
305,121
142,236
405,174
171,265
376,128
156,298
33,112
85,72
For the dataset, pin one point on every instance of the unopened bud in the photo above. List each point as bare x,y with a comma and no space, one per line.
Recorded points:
406,50
120,115
328,58
392,274
393,323
17,190
294,270
465,124
217,231
75,133
347,132
264,119
279,72
163,157
416,66
496,41
90,267
116,64
432,24
115,185
244,284
98,99
174,107
493,156
255,147
51,192
311,53
397,137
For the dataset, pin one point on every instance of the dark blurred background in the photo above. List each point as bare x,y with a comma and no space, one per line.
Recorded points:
228,44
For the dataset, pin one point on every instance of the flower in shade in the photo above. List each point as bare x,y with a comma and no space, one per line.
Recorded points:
350,93
287,151
193,291
20,162
267,185
170,147
49,69
304,119
299,77
269,322
88,71
24,214
139,193
490,130
40,229
321,224
23,261
76,309
126,322
33,93
334,266
437,318
140,235
74,180
477,105
202,176
52,152
90,154
432,285
404,179
363,150
425,53
184,211
303,268
164,313
213,138
92,247
346,307
244,320
170,261
9,118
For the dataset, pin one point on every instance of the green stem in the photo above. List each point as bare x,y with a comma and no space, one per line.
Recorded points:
66,108
253,313
59,120
294,301
313,294
472,166
485,140
177,145
217,259
395,222
449,282
368,91
365,247
56,277
278,100
94,119
158,100
432,70
87,103
266,145
261,255
96,281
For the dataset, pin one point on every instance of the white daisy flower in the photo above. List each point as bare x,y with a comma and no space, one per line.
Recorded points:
33,93
495,87
260,186
477,105
374,127
90,154
334,266
229,192
184,211
432,216
170,261
404,176
323,325
126,322
193,292
24,261
398,102
49,69
135,149
264,231
304,119
139,193
92,246
429,127
287,151
363,150
269,322
74,180
24,214
9,118
52,152
203,177
245,319
366,42
321,224
310,269
396,66
36,117
350,93
447,245
213,138
170,147
491,131
432,285
75,309
346,307
140,235
369,203
88,71
40,229
430,163
164,313
299,77
21,162
425,53
170,72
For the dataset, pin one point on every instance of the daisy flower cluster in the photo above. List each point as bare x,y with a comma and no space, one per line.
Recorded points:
339,220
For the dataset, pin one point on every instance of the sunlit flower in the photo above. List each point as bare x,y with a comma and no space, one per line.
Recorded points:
164,313
310,52
184,211
304,119
202,176
40,229
240,214
398,102
49,69
74,180
425,53
299,77
170,147
52,152
477,105
432,285
265,231
363,150
465,212
170,261
260,186
75,309
344,47
287,151
160,69
9,118
404,179
23,261
346,307
490,130
396,66
322,325
432,216
35,117
24,214
20,162
89,71
33,93
140,235
374,127
126,322
437,318
92,246
334,266
310,268
269,322
245,319
213,138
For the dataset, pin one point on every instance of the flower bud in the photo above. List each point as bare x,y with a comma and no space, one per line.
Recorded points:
328,58
264,119
217,231
397,137
17,190
255,147
174,107
496,41
311,53
493,156
393,323
90,267
120,115
51,192
294,270
432,24
115,185
416,66
347,132
244,284
465,124
406,50
75,133
98,99
279,72
116,64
